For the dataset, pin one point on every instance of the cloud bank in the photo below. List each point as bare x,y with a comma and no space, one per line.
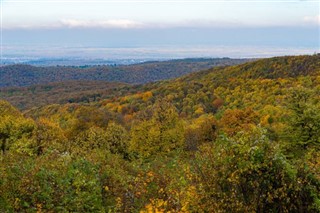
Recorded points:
133,24
113,23
312,19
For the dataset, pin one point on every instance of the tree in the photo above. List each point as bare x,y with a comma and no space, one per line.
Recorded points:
117,139
249,173
236,120
163,133
304,122
201,130
48,135
15,130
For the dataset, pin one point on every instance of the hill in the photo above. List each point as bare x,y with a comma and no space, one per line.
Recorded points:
63,92
26,75
231,86
90,91
242,138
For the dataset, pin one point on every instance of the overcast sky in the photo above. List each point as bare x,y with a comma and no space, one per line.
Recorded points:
129,23
157,13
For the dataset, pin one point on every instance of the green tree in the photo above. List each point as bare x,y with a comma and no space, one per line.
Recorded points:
304,123
248,173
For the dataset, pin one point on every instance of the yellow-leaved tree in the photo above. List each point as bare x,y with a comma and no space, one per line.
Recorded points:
163,133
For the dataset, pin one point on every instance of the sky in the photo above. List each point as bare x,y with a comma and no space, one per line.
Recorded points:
177,27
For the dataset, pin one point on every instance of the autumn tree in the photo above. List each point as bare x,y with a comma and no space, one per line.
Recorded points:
236,120
48,135
15,129
161,134
201,130
117,139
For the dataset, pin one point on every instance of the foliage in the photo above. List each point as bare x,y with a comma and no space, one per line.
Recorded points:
26,75
161,134
248,173
231,139
304,125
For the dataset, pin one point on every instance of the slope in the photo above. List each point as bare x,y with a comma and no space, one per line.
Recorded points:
257,84
25,75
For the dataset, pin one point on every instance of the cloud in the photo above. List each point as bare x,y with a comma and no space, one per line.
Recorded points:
312,19
186,23
79,24
122,24
112,23
132,24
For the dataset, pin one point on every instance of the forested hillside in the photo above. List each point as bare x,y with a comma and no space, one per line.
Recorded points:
241,138
64,92
26,75
84,89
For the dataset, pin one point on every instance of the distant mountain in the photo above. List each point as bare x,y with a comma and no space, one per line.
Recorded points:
26,75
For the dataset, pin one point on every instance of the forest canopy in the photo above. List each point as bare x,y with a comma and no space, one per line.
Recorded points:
241,138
